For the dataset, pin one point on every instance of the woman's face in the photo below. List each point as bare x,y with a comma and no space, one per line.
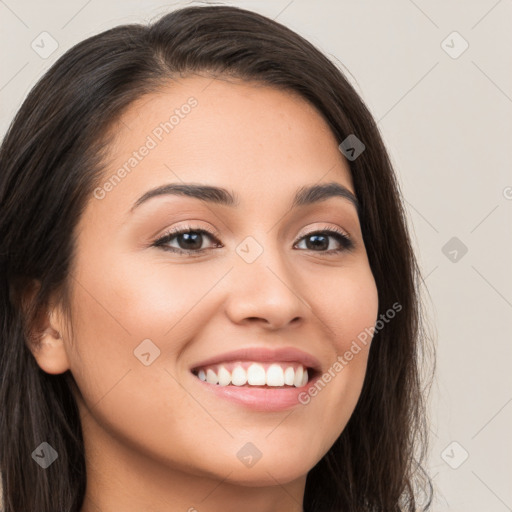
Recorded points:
145,315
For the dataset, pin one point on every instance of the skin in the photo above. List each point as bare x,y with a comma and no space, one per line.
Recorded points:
154,440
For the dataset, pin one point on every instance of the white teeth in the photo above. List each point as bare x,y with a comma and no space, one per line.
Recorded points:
224,376
256,375
297,380
289,375
211,377
239,376
277,375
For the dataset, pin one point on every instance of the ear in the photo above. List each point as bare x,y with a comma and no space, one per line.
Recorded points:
46,341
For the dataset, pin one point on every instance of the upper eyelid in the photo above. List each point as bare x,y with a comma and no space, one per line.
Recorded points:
218,234
336,229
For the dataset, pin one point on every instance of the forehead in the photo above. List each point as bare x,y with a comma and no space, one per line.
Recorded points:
250,137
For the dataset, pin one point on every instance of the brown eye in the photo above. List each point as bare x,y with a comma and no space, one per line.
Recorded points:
318,241
189,240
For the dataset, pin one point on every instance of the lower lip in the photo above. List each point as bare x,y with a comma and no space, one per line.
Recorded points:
266,399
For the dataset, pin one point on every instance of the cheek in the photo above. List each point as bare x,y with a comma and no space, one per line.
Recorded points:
141,300
131,301
348,309
353,320
347,303
113,313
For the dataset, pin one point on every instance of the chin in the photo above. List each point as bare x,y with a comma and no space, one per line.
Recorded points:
272,470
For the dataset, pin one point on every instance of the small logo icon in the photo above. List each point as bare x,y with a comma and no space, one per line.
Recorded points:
454,45
44,45
454,249
146,352
249,249
351,147
44,455
249,455
454,455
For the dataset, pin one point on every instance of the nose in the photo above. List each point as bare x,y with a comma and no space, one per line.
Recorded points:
266,292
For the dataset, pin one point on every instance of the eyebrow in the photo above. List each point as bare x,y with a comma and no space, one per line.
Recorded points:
304,196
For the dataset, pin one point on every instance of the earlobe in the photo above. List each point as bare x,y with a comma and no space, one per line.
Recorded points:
48,346
50,352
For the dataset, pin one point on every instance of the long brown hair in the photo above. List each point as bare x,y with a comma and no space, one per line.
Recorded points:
50,163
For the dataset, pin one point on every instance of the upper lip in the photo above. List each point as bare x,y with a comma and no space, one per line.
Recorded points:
263,354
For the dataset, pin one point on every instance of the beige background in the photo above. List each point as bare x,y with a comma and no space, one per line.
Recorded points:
447,123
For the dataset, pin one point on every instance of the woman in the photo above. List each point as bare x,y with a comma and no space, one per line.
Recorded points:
209,294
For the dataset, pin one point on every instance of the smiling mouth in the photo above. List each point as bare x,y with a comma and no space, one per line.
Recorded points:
276,375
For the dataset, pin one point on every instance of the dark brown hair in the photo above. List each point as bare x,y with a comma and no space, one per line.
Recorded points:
50,163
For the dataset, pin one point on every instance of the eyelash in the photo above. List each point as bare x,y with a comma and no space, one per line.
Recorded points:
346,242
